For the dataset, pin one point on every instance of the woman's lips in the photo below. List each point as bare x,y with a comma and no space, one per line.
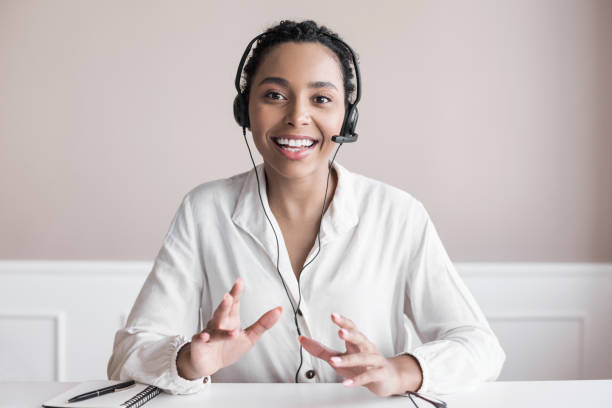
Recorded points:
294,152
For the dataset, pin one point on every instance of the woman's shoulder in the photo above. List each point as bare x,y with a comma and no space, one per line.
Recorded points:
217,192
371,190
381,203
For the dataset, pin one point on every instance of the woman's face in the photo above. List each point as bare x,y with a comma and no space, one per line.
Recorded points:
297,97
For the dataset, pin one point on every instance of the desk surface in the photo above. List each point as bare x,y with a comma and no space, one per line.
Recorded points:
510,394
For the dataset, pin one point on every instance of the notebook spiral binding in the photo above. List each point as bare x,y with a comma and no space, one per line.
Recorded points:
142,397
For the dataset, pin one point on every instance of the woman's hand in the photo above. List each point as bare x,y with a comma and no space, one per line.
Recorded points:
223,342
362,364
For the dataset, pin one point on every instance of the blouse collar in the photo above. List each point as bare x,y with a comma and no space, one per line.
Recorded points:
340,217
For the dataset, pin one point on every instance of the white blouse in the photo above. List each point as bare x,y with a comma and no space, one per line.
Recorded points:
381,264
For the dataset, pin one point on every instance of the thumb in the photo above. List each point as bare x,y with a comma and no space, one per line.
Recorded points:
265,322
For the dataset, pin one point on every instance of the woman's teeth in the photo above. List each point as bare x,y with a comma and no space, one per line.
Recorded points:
294,145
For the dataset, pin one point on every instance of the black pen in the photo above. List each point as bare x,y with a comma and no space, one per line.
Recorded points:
102,391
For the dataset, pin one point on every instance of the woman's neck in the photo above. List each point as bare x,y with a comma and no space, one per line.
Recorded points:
299,200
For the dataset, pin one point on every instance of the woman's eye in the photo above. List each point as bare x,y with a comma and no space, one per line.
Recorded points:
320,99
273,95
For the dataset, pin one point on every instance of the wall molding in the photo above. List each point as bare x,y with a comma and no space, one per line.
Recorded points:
467,269
59,328
569,316
66,267
534,269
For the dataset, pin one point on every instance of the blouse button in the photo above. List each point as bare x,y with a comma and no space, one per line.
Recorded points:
205,380
310,374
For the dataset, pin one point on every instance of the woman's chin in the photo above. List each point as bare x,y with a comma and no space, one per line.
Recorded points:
294,169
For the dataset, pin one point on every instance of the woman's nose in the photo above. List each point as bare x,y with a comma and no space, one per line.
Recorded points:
298,114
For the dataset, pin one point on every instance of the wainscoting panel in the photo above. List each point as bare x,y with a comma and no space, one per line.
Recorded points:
36,341
58,319
551,346
553,320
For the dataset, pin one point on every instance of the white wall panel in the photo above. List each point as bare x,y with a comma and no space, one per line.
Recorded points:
541,347
32,346
553,320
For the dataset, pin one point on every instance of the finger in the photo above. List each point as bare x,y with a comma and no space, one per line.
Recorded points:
236,290
222,310
200,337
367,377
220,334
356,338
212,335
265,322
317,349
343,322
358,360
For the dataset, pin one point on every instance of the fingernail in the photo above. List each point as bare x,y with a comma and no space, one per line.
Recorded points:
347,382
344,332
336,360
336,316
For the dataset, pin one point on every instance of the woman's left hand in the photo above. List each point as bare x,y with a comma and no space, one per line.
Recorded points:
362,363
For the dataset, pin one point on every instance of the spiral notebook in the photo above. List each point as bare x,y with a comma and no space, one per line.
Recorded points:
132,397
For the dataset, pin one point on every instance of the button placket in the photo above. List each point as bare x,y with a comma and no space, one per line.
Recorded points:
302,315
308,372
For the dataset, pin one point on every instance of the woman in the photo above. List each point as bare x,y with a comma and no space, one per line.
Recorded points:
330,300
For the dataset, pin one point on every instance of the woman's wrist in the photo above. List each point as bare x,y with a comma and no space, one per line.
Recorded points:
409,373
183,363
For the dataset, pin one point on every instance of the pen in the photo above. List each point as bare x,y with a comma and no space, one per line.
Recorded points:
102,391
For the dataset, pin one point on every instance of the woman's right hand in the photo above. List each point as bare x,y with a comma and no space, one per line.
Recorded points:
223,342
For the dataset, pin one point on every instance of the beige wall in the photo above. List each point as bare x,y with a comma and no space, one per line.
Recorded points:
496,114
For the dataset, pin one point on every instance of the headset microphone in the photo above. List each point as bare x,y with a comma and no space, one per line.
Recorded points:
344,139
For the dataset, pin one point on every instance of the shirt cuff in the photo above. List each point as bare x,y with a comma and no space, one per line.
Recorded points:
181,385
423,389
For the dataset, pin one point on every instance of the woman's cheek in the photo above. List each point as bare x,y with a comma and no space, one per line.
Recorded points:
333,129
262,117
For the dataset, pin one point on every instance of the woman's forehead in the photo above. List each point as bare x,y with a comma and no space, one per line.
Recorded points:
300,63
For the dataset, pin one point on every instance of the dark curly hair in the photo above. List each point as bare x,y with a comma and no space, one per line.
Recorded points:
306,31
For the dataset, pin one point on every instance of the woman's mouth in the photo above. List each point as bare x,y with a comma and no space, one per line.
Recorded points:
294,149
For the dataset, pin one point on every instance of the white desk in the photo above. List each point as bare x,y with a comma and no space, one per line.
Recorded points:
558,394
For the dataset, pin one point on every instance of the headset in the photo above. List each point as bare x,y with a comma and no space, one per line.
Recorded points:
347,135
347,132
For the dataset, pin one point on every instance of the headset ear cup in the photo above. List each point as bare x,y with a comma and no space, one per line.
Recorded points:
237,110
241,113
351,123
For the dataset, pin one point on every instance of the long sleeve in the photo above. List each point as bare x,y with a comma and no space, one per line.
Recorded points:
460,350
165,313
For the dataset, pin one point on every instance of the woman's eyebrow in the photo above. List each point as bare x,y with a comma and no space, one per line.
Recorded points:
285,83
322,84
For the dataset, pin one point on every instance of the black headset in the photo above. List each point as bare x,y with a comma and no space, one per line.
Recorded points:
347,135
347,132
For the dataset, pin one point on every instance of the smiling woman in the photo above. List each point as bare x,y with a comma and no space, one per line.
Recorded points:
286,105
376,263
284,99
